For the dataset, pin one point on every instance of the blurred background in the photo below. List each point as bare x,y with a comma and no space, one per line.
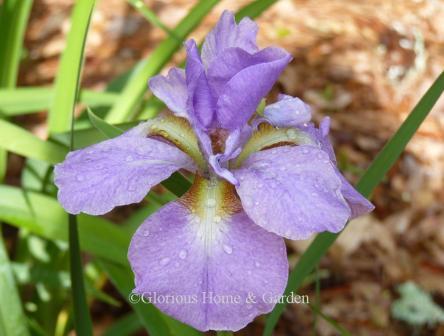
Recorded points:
365,64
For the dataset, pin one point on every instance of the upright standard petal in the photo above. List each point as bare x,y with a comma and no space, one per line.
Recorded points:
201,103
227,34
115,172
241,94
217,267
172,90
293,191
288,111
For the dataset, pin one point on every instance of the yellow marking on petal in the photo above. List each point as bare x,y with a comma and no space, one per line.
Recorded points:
268,136
211,202
178,131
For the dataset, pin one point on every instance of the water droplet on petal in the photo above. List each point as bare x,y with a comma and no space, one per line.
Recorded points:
146,233
228,249
129,158
164,261
183,254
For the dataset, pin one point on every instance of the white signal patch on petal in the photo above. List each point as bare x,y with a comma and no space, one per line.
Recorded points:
210,203
205,254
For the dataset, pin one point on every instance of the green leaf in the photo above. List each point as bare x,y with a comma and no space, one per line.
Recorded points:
107,130
373,176
70,68
148,14
43,216
17,140
340,329
12,319
131,97
254,9
127,325
13,18
35,99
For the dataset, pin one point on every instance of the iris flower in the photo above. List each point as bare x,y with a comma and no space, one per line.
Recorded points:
258,179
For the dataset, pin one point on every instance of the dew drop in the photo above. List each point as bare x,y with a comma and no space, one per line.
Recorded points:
146,233
164,261
211,203
129,158
183,254
228,249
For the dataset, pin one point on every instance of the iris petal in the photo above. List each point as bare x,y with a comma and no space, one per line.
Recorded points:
116,172
203,246
172,90
227,34
292,191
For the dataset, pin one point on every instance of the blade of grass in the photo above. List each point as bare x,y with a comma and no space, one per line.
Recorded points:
127,325
61,118
132,94
108,130
70,68
340,329
43,216
12,319
13,18
148,14
17,140
254,9
372,177
35,99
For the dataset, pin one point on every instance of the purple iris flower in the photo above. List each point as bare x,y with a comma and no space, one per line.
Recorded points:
217,255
